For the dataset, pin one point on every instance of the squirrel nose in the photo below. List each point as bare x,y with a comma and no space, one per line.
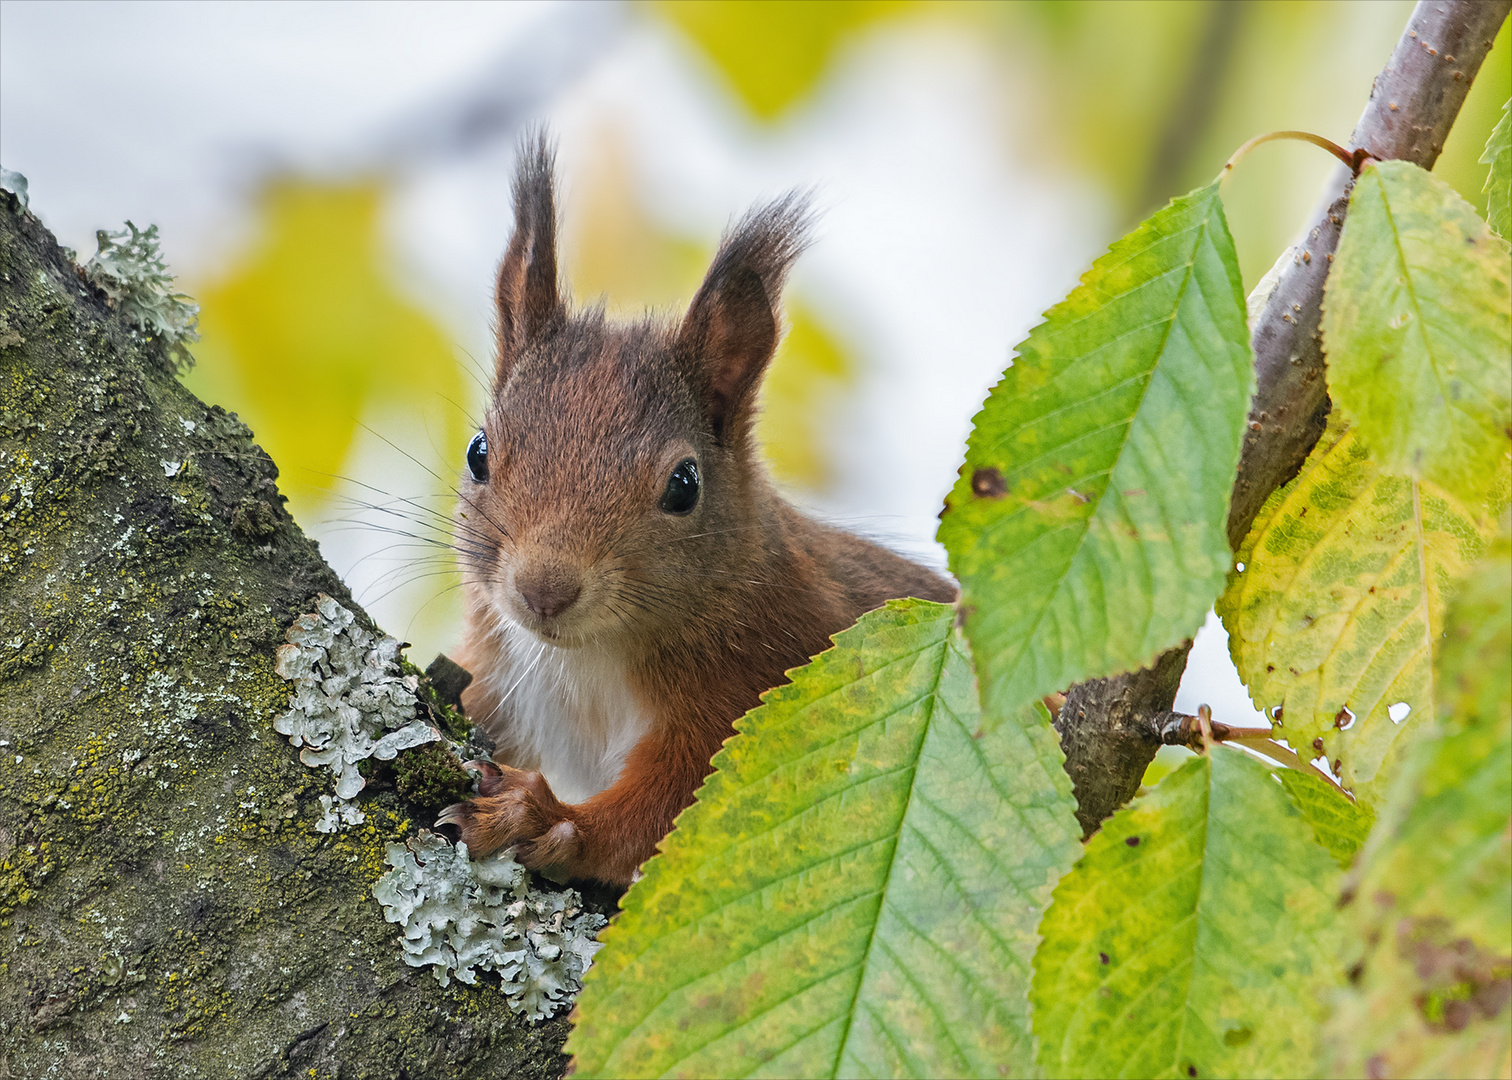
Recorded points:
549,591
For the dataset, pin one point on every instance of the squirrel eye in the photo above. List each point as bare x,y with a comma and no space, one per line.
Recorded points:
477,458
682,489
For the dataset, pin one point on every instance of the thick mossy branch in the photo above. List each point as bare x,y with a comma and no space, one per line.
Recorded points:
167,907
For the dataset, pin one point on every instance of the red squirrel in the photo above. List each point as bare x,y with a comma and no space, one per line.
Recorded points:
633,581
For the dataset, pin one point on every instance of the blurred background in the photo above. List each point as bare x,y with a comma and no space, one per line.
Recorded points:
332,186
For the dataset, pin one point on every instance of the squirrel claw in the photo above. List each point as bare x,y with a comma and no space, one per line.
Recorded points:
515,809
486,775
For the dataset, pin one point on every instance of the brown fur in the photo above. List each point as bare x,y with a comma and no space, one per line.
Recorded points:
705,611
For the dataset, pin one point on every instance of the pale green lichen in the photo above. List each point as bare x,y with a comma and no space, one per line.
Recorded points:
461,917
16,184
129,267
349,703
335,813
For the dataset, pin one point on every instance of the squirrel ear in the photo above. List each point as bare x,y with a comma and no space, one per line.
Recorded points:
526,295
731,328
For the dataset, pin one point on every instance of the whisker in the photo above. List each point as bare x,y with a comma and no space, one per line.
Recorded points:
447,518
437,476
473,369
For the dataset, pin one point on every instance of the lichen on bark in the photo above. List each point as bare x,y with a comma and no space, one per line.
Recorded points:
167,907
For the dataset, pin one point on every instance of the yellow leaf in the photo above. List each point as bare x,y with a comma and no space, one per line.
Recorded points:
774,51
306,335
805,383
1347,573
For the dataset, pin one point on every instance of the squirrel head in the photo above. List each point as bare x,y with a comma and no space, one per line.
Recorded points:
613,491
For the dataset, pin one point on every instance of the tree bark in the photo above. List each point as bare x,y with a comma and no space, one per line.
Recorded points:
1108,727
166,907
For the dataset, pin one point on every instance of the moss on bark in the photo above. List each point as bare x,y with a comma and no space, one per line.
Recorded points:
166,906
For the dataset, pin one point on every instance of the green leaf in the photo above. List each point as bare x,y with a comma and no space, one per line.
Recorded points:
1452,854
856,890
1346,574
1338,823
1475,657
1434,946
1195,938
1087,529
1498,187
1417,324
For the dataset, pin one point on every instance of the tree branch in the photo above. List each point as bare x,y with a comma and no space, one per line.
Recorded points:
1108,726
1412,107
169,905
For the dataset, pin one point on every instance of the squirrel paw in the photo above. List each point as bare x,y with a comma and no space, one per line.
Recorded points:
515,809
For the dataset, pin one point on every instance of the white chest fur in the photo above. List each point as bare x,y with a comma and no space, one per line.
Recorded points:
568,713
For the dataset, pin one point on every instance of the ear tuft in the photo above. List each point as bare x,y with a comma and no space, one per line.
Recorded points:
526,295
731,328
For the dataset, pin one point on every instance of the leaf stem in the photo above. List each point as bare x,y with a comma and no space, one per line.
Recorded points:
1272,749
1202,733
1355,159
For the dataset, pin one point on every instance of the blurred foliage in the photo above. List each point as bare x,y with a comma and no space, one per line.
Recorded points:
807,381
774,52
617,253
1129,92
306,335
1099,81
1106,89
614,251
